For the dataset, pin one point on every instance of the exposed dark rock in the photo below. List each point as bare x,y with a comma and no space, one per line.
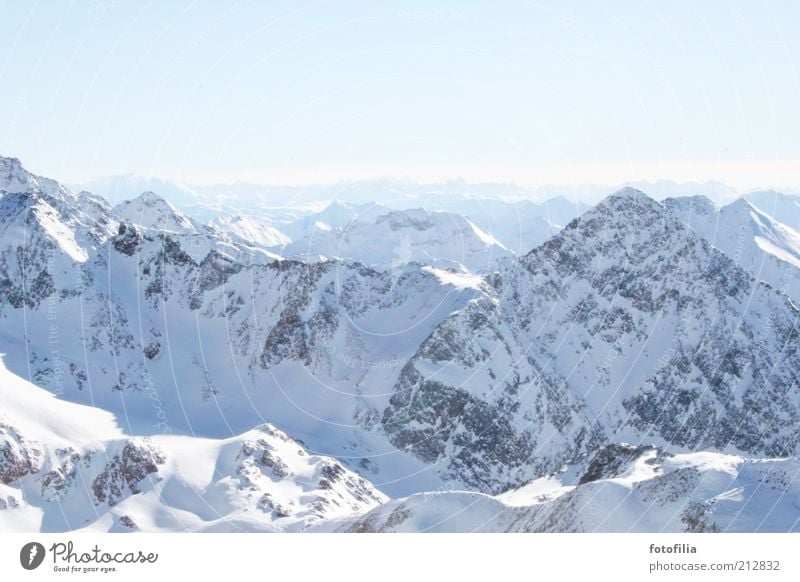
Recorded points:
128,240
610,460
19,456
125,472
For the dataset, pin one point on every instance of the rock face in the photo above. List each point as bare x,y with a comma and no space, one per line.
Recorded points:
124,473
611,460
19,456
59,483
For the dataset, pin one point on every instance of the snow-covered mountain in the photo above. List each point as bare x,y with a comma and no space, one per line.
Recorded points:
155,325
151,217
46,233
151,211
399,237
783,207
239,390
766,248
626,324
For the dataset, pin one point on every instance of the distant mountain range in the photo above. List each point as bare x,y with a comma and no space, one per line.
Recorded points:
456,364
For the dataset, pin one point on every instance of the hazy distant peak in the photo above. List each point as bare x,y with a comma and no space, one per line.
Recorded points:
151,211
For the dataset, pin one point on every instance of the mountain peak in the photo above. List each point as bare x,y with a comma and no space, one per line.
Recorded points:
698,204
8,161
627,202
628,192
742,205
150,198
627,222
560,200
15,179
151,211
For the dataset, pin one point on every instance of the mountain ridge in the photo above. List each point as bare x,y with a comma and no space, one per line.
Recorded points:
625,328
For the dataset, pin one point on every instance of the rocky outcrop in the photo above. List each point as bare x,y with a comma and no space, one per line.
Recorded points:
124,473
19,456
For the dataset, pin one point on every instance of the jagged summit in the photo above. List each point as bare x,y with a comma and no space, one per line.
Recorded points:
624,210
628,220
15,179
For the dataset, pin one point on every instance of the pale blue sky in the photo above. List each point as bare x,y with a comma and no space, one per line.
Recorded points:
317,91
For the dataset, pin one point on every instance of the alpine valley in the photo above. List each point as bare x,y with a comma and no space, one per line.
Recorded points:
367,368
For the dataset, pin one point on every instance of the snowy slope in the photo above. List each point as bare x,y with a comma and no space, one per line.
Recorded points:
619,489
771,236
65,466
